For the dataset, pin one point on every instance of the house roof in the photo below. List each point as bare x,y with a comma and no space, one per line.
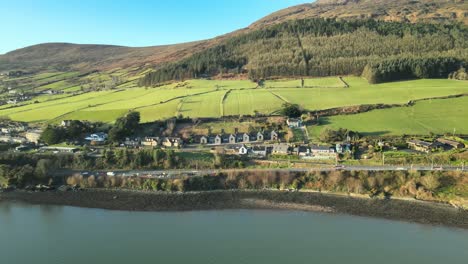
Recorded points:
303,149
449,142
294,120
420,142
259,148
281,147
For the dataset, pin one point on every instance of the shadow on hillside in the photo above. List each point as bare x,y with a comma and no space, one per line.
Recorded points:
375,133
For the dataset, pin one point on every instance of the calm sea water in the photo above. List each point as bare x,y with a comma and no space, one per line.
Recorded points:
68,235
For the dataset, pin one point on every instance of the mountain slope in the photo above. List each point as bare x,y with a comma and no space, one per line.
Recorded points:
325,47
433,11
66,56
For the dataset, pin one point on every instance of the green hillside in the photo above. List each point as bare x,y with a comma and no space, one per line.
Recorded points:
216,98
431,116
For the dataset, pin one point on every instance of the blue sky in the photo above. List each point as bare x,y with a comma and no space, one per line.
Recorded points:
130,23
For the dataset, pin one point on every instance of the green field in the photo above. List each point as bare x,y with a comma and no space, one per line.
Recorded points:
425,117
215,98
245,102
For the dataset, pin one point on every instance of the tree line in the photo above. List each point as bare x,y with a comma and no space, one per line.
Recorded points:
425,185
22,169
321,47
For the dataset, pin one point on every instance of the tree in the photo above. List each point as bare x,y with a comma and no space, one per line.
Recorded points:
43,169
75,129
109,157
125,126
53,135
291,110
157,156
24,175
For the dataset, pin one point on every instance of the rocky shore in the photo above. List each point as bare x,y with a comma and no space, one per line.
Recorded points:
411,211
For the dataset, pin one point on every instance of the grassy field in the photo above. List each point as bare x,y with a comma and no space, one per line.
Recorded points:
246,102
209,104
436,116
360,92
204,98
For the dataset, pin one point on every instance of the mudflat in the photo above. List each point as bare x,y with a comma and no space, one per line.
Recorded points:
411,211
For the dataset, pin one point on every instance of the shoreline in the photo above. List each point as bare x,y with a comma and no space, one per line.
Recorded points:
125,200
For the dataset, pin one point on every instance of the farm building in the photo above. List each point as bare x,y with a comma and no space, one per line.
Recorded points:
451,143
420,145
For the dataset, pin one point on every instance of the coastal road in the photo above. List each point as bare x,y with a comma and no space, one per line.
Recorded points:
178,173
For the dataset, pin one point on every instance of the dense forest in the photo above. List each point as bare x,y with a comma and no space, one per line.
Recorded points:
325,47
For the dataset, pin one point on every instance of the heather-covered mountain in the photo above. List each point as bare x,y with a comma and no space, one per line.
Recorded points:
424,11
67,56
408,38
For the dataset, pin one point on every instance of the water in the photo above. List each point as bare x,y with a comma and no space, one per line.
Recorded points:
57,234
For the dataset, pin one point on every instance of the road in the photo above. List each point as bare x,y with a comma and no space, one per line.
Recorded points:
178,173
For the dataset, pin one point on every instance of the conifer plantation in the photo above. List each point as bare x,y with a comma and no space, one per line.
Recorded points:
317,47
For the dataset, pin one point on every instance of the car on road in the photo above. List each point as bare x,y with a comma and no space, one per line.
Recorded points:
437,168
339,167
401,169
110,173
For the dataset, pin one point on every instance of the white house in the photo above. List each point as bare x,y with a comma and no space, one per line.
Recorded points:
294,122
97,137
203,140
260,136
232,139
218,140
243,150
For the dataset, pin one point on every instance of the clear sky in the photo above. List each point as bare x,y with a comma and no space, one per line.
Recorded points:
126,22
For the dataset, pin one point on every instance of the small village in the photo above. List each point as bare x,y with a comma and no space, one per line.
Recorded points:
256,144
